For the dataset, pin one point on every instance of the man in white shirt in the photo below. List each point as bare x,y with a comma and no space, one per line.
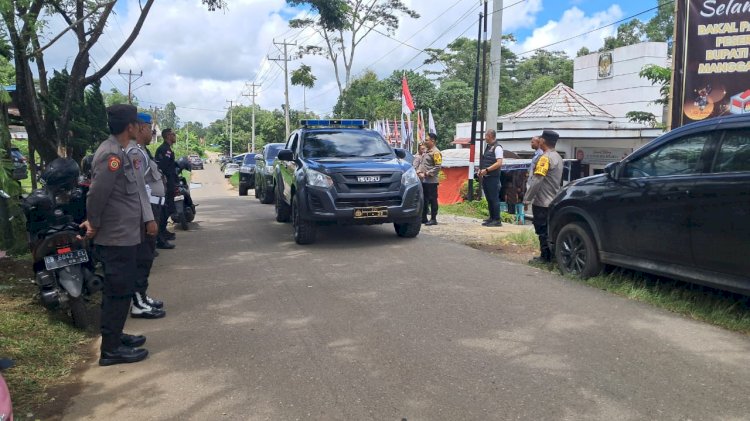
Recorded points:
491,162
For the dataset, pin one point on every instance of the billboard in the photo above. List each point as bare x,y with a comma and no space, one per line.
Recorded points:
711,60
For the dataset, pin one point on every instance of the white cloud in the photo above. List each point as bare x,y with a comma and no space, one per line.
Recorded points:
573,22
199,59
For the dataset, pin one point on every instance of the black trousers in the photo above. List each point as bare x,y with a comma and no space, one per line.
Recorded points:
162,218
540,227
491,188
119,263
144,261
430,200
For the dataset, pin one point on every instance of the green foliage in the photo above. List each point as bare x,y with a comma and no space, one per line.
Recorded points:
114,97
332,13
642,117
660,28
583,52
659,75
167,117
303,77
628,33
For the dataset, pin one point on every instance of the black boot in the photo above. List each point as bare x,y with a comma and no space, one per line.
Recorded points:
122,355
164,245
132,341
153,302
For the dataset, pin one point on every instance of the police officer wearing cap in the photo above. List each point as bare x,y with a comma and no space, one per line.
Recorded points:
145,306
165,160
544,186
429,172
118,212
491,163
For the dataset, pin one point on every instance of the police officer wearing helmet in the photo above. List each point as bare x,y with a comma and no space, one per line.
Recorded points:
145,306
118,213
165,160
543,187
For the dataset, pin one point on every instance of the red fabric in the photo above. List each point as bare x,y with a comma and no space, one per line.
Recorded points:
407,94
745,94
449,191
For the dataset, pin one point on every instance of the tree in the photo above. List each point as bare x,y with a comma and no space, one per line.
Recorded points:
167,117
453,104
656,75
116,97
660,28
359,19
583,52
628,33
304,77
366,98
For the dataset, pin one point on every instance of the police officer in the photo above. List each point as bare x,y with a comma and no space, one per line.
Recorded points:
145,306
491,163
118,212
543,187
165,160
428,172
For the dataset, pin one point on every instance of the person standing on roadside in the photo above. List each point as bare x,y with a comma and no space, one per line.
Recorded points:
118,213
544,186
535,142
491,163
144,306
429,172
165,160
418,158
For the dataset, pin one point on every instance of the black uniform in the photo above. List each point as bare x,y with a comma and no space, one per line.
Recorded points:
165,159
491,181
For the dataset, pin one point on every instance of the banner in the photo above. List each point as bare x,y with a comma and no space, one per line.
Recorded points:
711,60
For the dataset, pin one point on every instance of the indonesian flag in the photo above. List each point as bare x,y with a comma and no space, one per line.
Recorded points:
407,104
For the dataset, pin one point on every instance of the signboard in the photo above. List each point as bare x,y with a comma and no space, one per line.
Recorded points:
711,60
605,65
601,156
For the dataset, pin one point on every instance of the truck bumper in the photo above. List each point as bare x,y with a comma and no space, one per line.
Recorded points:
327,205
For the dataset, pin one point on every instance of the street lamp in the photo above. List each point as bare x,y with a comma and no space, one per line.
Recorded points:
130,93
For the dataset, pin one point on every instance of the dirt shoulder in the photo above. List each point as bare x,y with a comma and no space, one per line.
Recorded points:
516,242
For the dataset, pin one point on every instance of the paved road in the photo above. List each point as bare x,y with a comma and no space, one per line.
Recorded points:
364,325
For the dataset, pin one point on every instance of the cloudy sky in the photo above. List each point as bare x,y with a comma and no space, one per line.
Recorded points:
200,60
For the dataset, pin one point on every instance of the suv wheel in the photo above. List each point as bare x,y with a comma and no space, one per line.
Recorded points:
266,196
304,230
576,252
283,211
409,229
243,190
257,190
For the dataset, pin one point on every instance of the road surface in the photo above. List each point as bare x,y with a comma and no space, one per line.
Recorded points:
364,325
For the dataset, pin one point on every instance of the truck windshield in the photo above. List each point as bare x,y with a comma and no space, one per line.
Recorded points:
345,144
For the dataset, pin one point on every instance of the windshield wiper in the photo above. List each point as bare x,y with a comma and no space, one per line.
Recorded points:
380,154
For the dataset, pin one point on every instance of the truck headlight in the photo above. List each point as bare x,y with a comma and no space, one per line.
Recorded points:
410,177
318,179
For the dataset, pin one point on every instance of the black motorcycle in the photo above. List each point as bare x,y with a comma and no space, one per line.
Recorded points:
184,208
63,265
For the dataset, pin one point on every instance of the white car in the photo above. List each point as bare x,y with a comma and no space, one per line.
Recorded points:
230,169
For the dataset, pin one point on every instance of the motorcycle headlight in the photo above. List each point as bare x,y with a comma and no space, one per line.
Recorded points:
317,179
410,177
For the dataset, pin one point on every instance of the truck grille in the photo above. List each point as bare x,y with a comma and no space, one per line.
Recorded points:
364,203
348,183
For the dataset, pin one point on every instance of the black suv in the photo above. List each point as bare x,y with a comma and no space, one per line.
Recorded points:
247,173
678,207
264,172
336,171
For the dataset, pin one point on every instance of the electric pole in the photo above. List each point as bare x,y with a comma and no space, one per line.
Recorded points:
230,128
130,80
253,95
496,64
285,59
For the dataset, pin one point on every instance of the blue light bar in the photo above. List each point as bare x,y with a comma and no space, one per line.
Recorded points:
361,123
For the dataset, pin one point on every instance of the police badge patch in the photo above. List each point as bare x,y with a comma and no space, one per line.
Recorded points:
113,163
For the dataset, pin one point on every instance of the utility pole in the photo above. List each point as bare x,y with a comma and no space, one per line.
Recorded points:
253,95
285,59
475,111
496,64
230,128
130,80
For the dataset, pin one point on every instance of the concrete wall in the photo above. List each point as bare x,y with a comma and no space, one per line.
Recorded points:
625,91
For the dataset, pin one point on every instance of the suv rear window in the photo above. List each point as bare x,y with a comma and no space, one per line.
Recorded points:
344,144
249,159
273,151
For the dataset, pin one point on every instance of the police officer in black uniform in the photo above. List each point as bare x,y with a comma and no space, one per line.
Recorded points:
118,213
490,164
165,159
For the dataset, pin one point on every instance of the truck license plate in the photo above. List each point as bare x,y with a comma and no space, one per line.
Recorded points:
372,212
68,259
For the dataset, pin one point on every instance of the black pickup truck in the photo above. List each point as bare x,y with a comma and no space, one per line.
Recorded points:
339,172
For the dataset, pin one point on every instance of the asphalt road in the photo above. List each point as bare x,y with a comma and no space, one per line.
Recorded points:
365,325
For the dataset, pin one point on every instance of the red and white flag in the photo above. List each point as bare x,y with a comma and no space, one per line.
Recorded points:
407,104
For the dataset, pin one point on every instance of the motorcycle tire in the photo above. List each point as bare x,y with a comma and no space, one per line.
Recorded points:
184,222
79,313
189,214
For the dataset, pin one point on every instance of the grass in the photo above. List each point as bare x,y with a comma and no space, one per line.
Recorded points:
720,308
525,238
44,345
474,209
234,180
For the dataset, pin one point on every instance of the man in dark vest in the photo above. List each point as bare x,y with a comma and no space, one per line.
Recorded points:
490,165
165,159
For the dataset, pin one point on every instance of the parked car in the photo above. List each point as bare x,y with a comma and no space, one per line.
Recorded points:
247,173
678,207
230,170
196,163
20,166
264,172
337,171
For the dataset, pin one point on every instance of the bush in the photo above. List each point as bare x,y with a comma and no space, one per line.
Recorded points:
464,191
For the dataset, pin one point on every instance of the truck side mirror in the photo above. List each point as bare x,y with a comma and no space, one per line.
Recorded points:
400,153
286,155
